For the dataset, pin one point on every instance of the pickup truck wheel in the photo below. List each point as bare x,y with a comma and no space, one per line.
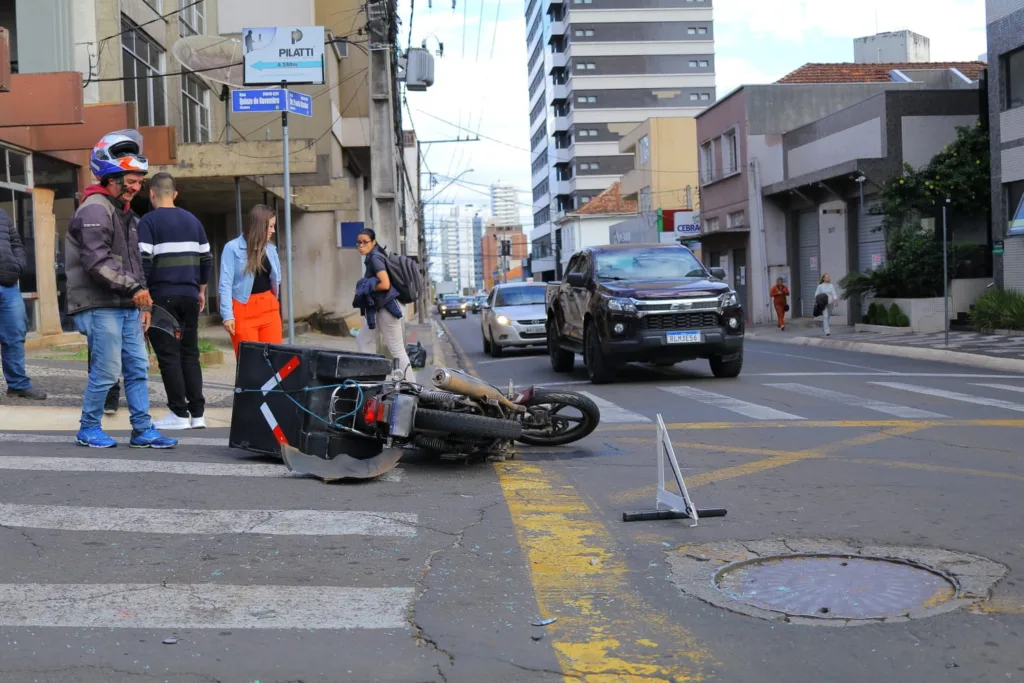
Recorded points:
599,369
561,360
726,368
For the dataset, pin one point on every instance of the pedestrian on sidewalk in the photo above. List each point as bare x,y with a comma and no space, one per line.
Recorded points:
379,302
250,281
13,323
107,293
177,262
780,296
831,300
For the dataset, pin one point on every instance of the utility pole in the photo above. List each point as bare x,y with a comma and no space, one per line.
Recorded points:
383,148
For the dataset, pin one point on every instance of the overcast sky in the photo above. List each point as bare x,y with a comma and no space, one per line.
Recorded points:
481,81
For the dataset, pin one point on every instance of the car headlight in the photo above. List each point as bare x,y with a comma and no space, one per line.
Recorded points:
622,305
502,320
729,300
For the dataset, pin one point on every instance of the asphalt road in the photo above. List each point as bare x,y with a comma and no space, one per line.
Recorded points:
436,572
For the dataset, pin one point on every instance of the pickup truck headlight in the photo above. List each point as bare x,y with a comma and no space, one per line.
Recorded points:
729,300
622,305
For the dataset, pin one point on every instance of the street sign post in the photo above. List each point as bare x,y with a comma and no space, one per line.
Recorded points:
285,55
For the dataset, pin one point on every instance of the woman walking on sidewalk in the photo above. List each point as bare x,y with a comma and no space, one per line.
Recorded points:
828,290
780,295
379,302
250,280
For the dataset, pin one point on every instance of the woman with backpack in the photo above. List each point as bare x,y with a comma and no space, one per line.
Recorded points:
250,279
378,301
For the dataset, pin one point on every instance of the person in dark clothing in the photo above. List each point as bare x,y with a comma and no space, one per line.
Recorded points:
106,290
13,325
381,305
177,262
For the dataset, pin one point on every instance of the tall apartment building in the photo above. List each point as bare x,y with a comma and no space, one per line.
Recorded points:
505,204
597,69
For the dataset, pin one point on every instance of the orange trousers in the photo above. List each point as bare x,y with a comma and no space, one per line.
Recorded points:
780,314
258,320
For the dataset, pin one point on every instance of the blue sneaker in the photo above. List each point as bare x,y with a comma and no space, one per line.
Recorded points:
94,437
150,438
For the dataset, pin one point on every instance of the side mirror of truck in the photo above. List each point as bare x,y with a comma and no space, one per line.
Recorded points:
718,273
576,279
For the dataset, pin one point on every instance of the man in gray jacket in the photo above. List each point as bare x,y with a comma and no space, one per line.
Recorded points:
107,292
13,325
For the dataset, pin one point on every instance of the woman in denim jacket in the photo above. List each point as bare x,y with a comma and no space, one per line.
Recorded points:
250,281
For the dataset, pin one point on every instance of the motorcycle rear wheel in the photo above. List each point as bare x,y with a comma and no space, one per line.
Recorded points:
463,424
564,429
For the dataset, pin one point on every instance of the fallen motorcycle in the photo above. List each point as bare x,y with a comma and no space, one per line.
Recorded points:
358,425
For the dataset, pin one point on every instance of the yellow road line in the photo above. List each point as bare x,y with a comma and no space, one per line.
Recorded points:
705,446
966,471
770,463
837,424
604,631
1006,605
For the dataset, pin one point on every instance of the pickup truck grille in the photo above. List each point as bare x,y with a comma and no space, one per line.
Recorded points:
680,321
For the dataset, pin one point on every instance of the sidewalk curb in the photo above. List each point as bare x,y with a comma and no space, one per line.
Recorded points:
64,419
911,352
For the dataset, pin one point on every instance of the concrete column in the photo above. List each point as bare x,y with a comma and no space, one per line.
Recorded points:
45,229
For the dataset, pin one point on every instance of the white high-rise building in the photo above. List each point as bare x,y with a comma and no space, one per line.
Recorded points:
505,204
597,69
455,245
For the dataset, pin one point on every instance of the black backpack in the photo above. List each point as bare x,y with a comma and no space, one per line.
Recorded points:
405,277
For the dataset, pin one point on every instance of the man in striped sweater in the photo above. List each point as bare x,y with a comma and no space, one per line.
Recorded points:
177,261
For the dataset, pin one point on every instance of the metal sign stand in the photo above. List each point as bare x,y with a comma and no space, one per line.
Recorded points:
670,505
288,215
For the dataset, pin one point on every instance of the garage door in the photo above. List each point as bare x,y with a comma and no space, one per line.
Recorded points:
807,227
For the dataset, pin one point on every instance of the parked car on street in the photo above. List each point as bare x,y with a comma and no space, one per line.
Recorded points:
452,306
655,303
513,316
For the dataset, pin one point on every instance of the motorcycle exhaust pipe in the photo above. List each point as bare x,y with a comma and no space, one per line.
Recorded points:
466,385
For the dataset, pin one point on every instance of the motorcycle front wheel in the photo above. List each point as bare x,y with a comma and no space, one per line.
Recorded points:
572,417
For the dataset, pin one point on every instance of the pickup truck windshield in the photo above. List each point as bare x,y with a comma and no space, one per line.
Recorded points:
665,263
519,296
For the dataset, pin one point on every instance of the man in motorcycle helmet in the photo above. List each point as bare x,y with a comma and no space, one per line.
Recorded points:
106,290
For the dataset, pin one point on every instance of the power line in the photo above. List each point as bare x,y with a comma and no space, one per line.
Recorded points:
153,21
469,130
494,40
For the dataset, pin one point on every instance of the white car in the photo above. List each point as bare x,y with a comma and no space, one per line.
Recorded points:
514,315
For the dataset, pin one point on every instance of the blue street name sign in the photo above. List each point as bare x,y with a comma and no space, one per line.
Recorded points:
243,101
300,103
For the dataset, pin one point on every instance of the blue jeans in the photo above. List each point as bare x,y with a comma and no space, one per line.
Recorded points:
118,348
13,328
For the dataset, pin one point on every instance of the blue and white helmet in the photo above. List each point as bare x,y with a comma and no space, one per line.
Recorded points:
118,153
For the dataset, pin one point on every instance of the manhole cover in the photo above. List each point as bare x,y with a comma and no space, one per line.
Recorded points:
834,586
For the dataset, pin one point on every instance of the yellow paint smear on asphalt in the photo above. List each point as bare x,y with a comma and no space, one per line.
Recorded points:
804,424
1006,605
773,462
705,446
580,576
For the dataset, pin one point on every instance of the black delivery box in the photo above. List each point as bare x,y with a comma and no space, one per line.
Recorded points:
273,404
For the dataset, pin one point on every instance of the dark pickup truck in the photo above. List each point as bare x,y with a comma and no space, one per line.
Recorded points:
653,303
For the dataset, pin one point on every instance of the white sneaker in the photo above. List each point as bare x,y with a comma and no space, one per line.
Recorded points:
198,423
173,423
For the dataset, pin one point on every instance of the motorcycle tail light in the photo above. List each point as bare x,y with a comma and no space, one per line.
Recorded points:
373,410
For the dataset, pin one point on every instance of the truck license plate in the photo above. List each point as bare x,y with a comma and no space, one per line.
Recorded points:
534,329
692,337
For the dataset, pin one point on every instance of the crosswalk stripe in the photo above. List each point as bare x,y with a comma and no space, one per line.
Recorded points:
904,412
1005,387
119,466
954,396
203,606
735,405
194,521
612,413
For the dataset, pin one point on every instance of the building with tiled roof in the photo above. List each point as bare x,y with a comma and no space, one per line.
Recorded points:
849,72
589,225
608,202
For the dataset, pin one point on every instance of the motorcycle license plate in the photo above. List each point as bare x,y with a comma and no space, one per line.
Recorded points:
690,337
533,329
